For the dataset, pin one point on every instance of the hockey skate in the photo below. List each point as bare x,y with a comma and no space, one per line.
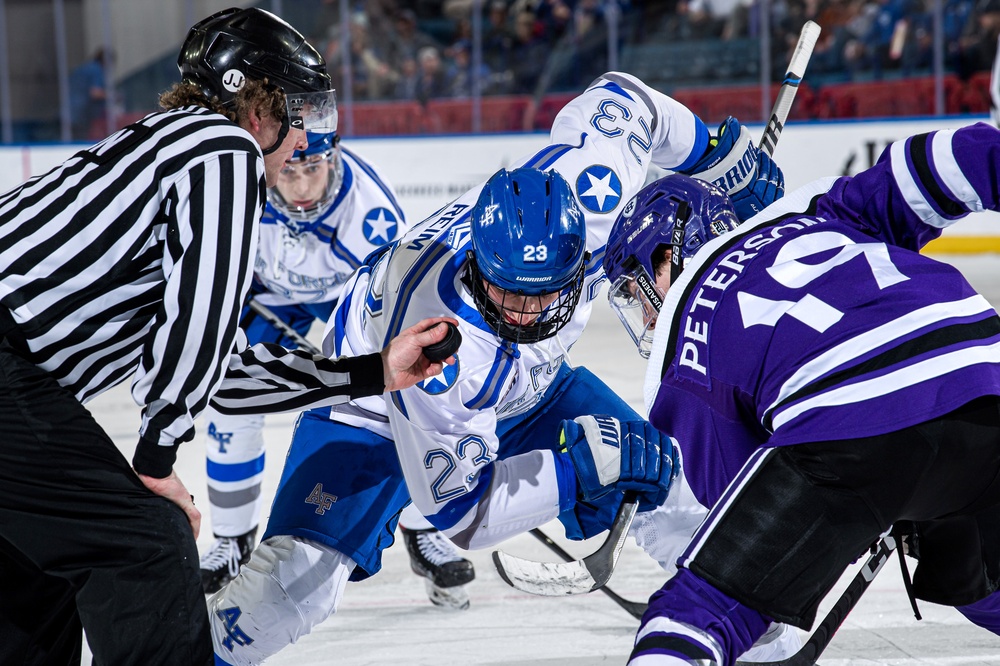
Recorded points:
223,560
435,559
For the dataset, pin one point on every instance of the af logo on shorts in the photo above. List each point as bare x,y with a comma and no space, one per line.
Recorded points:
599,189
324,501
440,383
380,226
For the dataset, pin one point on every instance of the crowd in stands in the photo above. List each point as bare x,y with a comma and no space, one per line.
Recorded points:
421,49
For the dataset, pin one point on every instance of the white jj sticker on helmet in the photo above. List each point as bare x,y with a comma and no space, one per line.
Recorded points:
629,208
233,80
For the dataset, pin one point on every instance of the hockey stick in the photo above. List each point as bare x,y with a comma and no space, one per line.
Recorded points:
552,579
633,608
437,351
280,324
790,86
810,652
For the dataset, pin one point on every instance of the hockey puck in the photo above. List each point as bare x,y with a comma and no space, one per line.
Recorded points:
439,351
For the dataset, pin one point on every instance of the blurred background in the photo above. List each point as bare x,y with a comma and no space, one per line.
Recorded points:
76,70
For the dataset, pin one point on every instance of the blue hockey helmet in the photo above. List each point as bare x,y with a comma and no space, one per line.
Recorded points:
669,219
322,152
321,144
529,250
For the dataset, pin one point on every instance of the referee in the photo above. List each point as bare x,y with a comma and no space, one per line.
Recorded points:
132,259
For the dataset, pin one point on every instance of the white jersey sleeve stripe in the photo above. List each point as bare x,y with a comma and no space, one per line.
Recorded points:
908,187
857,347
951,173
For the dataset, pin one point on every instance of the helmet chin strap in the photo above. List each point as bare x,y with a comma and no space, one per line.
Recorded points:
282,133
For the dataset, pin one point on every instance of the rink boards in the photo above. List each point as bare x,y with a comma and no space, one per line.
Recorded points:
428,172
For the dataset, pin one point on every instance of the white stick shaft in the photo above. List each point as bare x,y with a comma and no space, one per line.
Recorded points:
786,94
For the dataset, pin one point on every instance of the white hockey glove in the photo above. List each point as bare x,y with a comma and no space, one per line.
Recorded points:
747,174
610,455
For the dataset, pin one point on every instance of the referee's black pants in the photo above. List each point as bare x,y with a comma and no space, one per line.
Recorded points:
83,544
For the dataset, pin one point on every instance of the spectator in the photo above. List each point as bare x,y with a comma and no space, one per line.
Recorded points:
555,16
857,27
529,54
372,76
918,49
406,85
456,10
828,57
977,46
463,74
88,94
879,51
408,40
432,80
498,40
590,43
693,21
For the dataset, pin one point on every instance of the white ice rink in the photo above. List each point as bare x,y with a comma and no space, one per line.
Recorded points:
388,620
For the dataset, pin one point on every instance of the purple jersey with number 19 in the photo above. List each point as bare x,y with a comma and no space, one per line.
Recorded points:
782,332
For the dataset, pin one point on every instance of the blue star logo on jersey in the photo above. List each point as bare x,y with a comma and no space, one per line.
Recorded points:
599,188
441,382
380,226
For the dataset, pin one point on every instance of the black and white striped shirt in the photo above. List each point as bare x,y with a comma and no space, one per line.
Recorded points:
133,257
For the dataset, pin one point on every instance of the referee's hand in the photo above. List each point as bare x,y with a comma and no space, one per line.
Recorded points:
403,360
173,489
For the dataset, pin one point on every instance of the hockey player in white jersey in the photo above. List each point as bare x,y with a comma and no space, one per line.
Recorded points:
329,209
518,261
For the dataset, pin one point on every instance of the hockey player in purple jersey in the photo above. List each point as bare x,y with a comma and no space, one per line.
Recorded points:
825,382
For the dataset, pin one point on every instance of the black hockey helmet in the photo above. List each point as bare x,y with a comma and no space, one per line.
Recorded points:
230,46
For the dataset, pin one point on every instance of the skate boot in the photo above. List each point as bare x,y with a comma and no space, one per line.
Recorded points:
223,560
434,558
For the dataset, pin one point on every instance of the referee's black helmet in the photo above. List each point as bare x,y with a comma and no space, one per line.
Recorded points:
233,45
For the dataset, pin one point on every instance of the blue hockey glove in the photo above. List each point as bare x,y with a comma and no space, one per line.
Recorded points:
747,174
610,455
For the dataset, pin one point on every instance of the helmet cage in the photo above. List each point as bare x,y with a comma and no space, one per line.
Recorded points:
550,319
335,179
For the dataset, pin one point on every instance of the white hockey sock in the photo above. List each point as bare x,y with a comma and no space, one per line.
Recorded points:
288,587
662,641
412,519
780,642
666,531
234,446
